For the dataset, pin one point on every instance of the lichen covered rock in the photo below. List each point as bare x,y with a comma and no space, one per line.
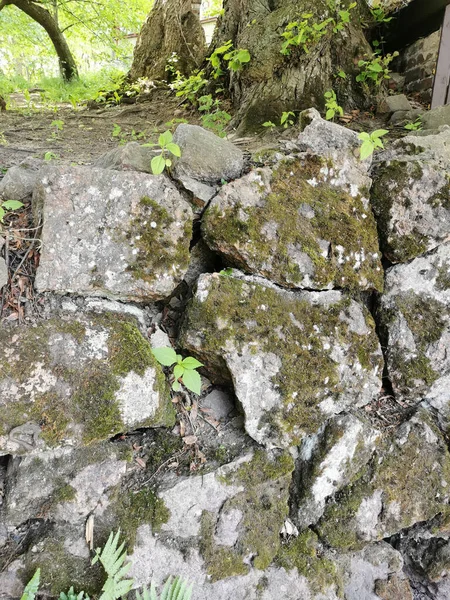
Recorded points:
110,233
294,359
411,196
390,492
414,313
299,224
328,461
68,380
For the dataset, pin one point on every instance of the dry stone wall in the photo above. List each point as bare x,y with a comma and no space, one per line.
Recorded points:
314,464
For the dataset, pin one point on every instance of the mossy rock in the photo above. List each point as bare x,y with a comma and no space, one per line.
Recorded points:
414,321
389,495
410,197
294,359
297,225
82,379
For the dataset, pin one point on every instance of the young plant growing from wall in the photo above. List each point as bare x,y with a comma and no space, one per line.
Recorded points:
168,147
414,125
112,558
174,589
287,119
184,370
371,141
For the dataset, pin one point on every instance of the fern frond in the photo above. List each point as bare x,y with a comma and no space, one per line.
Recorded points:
32,587
174,589
112,558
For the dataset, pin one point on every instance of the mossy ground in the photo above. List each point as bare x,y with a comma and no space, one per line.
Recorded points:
263,316
148,232
264,505
352,261
94,385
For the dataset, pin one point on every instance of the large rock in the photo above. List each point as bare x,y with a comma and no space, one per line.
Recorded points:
328,461
119,234
411,196
294,359
436,117
414,313
302,224
389,494
18,182
205,161
76,380
130,157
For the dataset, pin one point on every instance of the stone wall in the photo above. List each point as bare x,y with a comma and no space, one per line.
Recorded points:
418,64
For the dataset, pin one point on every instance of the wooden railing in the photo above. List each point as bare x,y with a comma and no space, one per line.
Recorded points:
441,86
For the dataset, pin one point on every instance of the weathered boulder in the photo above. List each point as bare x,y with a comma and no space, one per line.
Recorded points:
392,104
294,358
436,117
18,182
302,224
389,494
205,161
411,196
77,379
328,461
414,314
130,157
120,234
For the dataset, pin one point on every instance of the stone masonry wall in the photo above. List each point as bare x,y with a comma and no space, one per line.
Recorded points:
418,64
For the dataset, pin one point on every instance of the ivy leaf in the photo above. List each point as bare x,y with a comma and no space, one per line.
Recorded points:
12,204
158,164
192,380
165,356
191,363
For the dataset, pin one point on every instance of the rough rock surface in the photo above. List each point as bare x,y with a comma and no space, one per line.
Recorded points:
3,273
18,182
389,494
294,359
130,157
437,117
119,234
327,462
205,160
414,313
392,104
411,196
299,225
77,379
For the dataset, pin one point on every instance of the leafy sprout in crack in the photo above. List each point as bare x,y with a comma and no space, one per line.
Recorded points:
184,369
371,141
7,206
167,146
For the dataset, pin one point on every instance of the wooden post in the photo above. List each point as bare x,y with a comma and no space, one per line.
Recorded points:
441,86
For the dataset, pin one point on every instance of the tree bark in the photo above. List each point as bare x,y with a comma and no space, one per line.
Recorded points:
171,26
39,14
272,83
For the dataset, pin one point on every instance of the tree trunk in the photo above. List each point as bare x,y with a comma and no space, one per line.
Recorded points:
39,14
272,83
172,26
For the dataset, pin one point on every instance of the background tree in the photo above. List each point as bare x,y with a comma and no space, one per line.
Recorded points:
173,26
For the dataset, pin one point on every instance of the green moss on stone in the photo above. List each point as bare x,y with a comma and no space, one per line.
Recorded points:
65,493
443,278
303,554
139,508
334,216
293,329
148,233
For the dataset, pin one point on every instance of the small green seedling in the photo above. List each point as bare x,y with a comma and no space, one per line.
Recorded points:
287,119
58,124
32,587
72,595
370,141
7,206
228,272
117,130
332,106
160,162
270,125
415,126
184,370
50,156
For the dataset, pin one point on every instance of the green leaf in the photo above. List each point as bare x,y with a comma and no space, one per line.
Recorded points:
376,67
165,356
243,56
168,162
191,363
379,133
364,136
2,214
176,386
178,371
191,380
329,114
366,150
158,164
12,204
165,138
32,587
174,149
